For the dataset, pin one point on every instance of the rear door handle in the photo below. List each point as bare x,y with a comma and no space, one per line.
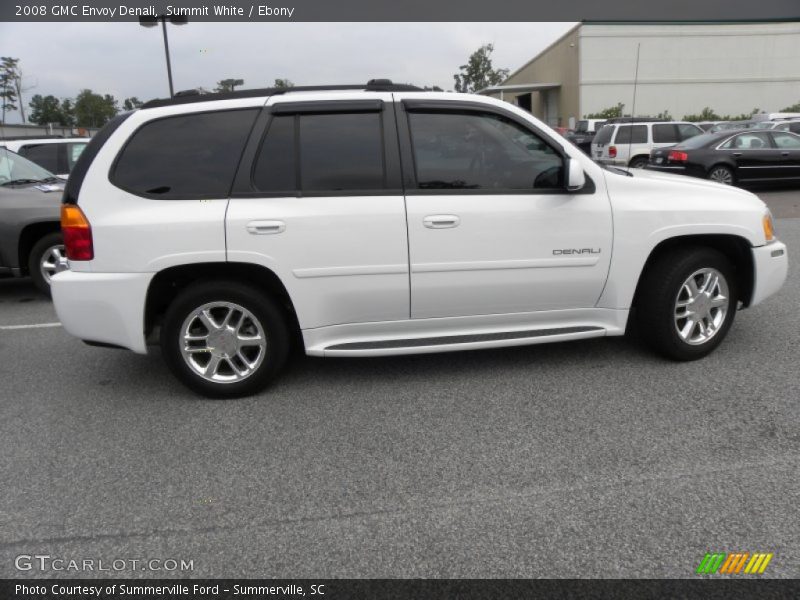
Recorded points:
737,153
784,153
266,227
441,221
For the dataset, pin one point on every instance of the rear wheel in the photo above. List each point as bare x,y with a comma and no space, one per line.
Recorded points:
722,174
640,162
687,302
47,255
223,339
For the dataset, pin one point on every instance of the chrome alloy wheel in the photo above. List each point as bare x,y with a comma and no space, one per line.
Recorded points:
223,342
53,260
701,306
721,175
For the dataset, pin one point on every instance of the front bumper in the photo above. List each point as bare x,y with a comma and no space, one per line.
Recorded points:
103,307
771,265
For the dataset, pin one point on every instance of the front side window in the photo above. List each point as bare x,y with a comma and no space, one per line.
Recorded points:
786,140
74,152
480,151
686,131
631,134
185,156
338,152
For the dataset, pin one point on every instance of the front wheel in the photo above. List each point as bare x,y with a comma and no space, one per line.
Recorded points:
224,339
687,302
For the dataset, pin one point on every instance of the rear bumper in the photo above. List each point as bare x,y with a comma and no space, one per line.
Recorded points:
106,308
771,265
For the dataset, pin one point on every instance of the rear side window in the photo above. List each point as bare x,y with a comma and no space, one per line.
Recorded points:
604,135
185,156
74,152
337,152
665,134
44,155
748,141
631,134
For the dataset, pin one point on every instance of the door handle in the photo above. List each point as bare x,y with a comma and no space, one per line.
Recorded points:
441,221
785,153
737,153
266,227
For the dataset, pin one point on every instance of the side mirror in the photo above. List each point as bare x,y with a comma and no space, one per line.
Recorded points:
575,177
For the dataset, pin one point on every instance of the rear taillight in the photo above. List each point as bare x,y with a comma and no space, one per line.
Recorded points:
677,156
77,233
612,152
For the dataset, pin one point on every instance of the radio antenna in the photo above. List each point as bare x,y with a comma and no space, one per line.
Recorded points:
633,106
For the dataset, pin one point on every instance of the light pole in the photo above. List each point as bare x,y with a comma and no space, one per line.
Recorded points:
153,22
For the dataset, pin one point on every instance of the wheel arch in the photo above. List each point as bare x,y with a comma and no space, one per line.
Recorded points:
29,235
167,284
734,247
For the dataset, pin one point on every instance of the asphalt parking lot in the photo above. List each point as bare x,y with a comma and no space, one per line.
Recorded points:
585,459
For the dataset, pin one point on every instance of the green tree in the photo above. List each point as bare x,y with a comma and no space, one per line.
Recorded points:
48,109
707,114
94,110
68,111
664,115
479,73
10,87
228,85
607,113
792,108
283,84
131,103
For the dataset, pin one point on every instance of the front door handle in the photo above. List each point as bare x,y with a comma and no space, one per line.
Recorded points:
266,227
441,221
737,153
785,153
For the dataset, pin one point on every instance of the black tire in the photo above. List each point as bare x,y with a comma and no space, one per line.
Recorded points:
640,162
658,293
722,174
42,247
269,315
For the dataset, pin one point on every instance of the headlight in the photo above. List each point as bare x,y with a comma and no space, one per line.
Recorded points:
769,227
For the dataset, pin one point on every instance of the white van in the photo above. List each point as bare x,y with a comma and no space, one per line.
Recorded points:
629,144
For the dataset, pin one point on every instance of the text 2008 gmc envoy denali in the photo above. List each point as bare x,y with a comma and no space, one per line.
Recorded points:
383,219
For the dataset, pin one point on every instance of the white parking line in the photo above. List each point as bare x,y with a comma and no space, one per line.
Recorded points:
33,326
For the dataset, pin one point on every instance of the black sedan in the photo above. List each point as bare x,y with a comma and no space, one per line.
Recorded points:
733,157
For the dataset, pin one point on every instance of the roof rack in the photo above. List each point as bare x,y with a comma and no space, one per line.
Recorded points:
190,96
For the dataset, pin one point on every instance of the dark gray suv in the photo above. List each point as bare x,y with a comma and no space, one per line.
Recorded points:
30,228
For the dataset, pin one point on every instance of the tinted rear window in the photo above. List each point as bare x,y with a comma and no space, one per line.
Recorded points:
44,155
186,156
699,141
338,152
604,135
631,134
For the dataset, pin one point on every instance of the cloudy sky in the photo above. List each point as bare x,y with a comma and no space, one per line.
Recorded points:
125,60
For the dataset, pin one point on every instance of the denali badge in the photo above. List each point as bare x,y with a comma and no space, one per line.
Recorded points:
577,251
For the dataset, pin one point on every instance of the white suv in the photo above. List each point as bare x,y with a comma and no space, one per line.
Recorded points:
628,144
387,220
57,155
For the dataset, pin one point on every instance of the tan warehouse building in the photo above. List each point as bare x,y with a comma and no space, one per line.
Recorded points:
682,68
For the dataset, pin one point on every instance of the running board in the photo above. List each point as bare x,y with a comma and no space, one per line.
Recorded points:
445,343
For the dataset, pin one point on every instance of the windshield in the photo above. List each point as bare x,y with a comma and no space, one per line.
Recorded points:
14,167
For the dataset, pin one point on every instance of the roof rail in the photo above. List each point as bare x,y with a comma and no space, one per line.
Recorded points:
17,138
190,96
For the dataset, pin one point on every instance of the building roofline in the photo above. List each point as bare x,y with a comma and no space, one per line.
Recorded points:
547,49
